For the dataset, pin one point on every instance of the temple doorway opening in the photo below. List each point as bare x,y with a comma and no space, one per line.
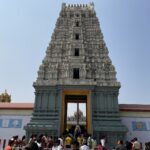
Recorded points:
76,122
76,111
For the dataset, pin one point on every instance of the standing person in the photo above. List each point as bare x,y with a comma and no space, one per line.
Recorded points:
68,141
120,145
84,146
60,147
33,143
79,140
61,141
136,144
77,131
147,146
57,145
103,140
75,145
10,144
99,147
94,143
128,145
50,142
89,141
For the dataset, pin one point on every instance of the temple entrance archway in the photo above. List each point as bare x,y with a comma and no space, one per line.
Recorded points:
79,103
76,114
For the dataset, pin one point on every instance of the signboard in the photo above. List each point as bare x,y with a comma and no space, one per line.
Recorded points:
10,123
139,126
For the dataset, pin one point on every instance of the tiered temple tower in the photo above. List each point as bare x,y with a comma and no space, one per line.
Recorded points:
77,64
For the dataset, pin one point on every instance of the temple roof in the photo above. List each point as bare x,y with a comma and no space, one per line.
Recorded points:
134,107
122,107
16,105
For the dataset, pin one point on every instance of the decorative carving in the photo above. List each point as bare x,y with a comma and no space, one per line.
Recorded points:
94,62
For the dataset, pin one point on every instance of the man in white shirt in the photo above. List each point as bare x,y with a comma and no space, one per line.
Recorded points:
57,145
84,146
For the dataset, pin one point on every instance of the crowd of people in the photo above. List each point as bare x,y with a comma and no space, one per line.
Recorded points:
68,142
43,142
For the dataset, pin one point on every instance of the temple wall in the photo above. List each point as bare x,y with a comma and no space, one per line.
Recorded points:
138,124
11,125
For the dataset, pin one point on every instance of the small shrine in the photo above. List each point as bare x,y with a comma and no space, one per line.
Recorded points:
5,97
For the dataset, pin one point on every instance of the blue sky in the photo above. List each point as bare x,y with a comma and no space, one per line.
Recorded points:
26,28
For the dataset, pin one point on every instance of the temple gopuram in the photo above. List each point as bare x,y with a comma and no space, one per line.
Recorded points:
77,69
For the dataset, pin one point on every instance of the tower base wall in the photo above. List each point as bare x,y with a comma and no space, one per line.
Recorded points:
104,117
